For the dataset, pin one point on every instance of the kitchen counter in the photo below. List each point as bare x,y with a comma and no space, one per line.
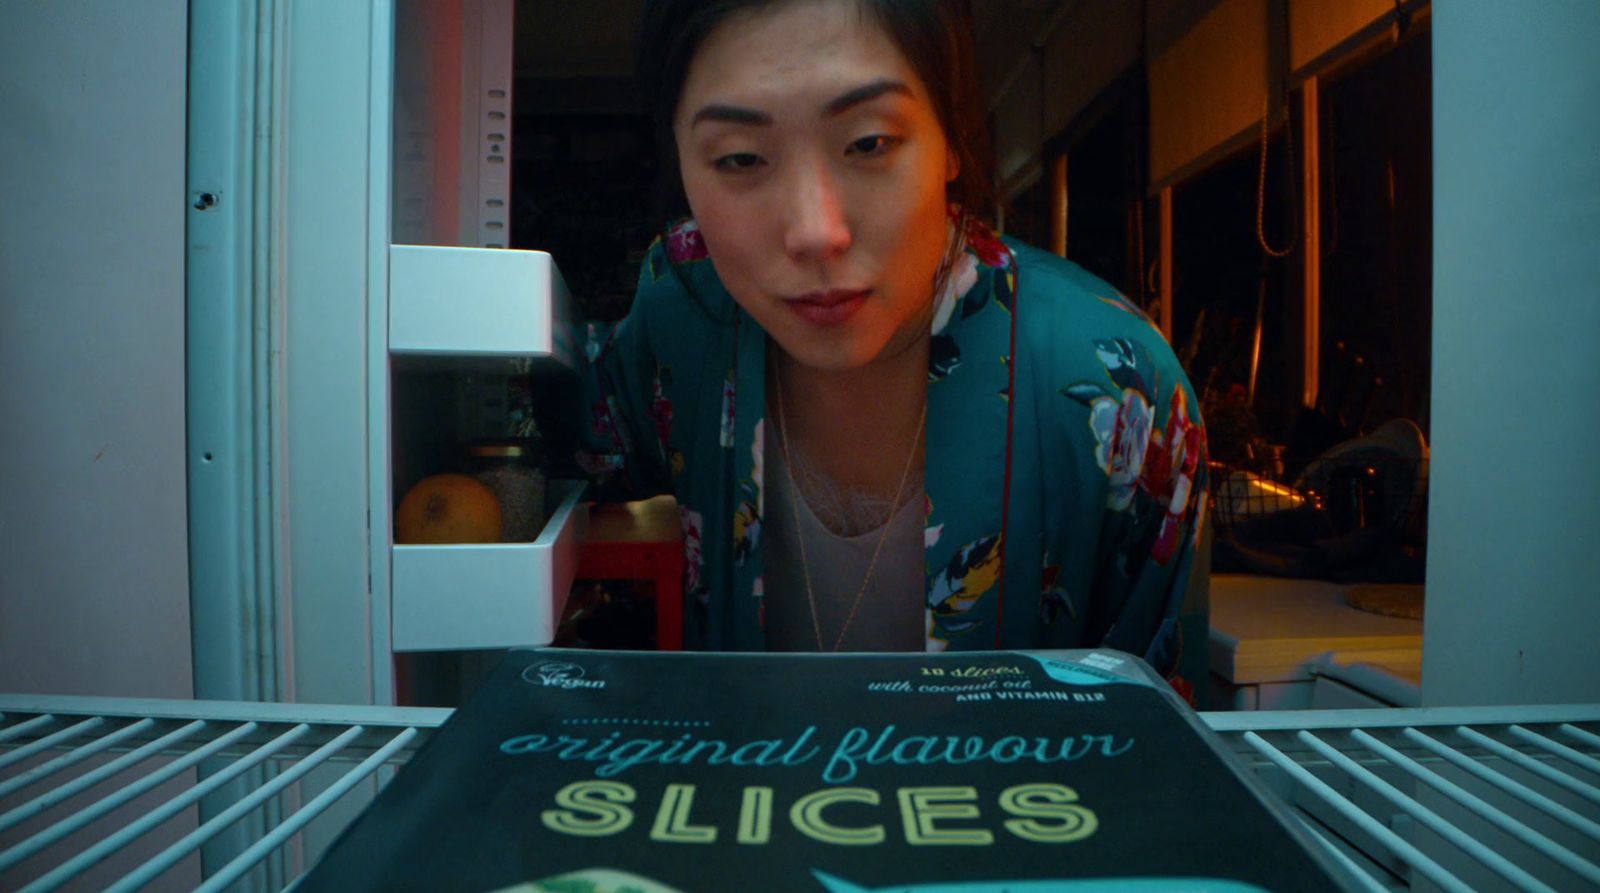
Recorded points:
1284,643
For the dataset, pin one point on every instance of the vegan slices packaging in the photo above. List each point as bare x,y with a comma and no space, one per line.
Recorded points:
627,772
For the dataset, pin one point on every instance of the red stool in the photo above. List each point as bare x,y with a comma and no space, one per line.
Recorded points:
640,541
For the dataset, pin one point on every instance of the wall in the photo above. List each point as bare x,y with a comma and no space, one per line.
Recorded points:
1016,125
1086,53
1010,68
1513,571
94,590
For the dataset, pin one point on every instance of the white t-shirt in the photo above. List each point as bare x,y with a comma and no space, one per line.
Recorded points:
890,615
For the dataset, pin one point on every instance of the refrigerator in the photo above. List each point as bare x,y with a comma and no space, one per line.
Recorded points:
318,227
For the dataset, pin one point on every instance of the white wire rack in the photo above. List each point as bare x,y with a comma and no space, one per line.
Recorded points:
1431,799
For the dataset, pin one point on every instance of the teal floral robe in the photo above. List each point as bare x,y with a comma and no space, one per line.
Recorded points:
1065,458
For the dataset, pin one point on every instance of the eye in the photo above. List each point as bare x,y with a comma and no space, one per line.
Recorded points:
738,162
872,146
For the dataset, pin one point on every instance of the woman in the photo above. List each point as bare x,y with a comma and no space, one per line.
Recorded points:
886,428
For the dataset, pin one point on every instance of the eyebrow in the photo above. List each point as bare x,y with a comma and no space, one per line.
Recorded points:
731,114
866,93
734,114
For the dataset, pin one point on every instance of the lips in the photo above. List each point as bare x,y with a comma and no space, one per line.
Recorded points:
828,308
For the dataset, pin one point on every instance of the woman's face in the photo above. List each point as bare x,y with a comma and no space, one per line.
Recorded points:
816,168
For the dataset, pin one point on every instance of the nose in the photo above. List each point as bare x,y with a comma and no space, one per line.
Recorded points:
817,228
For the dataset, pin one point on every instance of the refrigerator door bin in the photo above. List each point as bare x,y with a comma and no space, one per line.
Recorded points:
463,303
498,595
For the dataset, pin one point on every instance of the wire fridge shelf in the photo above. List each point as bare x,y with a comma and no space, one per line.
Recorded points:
1454,799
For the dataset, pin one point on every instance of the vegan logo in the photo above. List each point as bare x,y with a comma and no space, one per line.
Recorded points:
558,674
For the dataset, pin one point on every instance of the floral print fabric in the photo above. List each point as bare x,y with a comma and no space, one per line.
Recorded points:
1066,468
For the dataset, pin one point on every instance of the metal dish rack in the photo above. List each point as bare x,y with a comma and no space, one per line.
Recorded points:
1455,799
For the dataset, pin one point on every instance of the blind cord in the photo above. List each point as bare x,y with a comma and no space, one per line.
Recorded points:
1261,185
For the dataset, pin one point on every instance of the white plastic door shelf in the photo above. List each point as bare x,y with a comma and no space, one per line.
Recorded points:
1493,798
477,302
461,309
501,595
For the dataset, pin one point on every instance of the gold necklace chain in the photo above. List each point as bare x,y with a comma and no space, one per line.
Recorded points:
799,536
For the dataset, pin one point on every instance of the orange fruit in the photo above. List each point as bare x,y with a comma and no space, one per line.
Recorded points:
448,508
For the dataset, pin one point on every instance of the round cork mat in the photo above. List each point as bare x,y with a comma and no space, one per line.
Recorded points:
1389,599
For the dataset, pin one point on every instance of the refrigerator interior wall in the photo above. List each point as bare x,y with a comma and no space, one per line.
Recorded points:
94,587
452,122
450,186
94,558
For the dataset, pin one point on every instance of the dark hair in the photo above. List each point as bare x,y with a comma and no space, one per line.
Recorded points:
936,37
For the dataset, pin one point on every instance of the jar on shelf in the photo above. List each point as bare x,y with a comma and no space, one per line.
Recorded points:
511,469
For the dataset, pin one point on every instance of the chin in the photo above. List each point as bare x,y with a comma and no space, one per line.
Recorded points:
835,357
830,361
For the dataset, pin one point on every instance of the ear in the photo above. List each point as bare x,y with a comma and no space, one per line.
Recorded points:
952,165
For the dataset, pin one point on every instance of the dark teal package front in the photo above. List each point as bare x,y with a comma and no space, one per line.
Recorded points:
1025,772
